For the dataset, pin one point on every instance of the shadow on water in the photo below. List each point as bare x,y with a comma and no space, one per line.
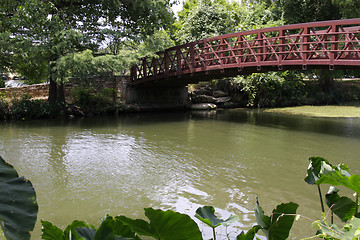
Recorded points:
345,127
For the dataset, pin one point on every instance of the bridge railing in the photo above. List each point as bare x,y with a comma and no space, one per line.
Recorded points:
328,43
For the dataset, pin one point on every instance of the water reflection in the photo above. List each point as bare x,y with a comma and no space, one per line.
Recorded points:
84,169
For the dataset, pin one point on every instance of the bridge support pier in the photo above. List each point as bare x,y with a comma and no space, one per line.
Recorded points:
157,98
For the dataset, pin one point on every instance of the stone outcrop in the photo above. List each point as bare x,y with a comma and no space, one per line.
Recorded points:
207,99
203,106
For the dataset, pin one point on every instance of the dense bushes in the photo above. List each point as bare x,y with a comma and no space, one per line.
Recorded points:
274,89
26,108
92,102
282,89
2,83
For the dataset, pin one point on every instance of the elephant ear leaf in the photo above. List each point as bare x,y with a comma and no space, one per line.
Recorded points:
343,207
276,227
18,207
170,225
314,169
207,215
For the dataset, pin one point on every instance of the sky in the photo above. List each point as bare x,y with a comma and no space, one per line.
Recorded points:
177,7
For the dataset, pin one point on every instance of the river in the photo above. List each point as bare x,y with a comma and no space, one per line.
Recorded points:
85,169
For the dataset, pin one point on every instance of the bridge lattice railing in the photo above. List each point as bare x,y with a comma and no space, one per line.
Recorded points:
332,43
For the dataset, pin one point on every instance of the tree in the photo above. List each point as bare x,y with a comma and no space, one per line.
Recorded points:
62,27
297,11
203,18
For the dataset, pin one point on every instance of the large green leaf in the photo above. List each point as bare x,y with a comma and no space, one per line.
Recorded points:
343,207
207,215
114,229
18,207
339,176
70,232
86,233
164,225
250,234
276,227
139,226
170,225
51,232
314,169
350,231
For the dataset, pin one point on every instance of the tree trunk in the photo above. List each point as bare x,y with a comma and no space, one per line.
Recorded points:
52,91
326,80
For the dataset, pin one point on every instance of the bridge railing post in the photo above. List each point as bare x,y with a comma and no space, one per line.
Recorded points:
144,67
282,48
155,66
334,44
166,60
260,50
192,58
178,61
305,43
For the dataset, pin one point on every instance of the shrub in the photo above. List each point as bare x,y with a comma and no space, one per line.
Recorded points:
92,102
2,83
25,108
272,89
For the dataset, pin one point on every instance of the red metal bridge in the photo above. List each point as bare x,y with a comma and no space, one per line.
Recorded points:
328,44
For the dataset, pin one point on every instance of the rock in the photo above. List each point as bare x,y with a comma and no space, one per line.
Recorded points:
203,106
219,94
223,99
203,99
76,111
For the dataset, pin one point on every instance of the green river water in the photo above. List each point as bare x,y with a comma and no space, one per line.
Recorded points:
85,169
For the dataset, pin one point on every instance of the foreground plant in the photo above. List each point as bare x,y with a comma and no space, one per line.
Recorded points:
320,171
18,207
207,215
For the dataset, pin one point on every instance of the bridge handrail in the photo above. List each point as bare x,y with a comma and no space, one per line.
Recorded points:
329,43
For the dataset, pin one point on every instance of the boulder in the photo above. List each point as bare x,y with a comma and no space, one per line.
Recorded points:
203,99
223,99
203,106
219,94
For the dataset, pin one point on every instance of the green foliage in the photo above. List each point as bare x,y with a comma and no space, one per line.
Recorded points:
42,32
2,83
163,225
207,19
297,11
278,225
94,102
207,215
26,108
320,171
250,234
272,89
343,207
84,65
18,207
350,231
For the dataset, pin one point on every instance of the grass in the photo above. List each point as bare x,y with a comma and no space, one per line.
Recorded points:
320,111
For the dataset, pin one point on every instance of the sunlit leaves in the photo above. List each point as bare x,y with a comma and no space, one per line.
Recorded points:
207,215
278,225
250,234
350,231
343,207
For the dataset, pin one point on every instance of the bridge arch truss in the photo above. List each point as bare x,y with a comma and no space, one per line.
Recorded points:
331,44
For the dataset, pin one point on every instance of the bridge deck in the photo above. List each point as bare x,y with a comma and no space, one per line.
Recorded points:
329,44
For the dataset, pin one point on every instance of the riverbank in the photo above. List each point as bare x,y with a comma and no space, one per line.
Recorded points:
320,111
